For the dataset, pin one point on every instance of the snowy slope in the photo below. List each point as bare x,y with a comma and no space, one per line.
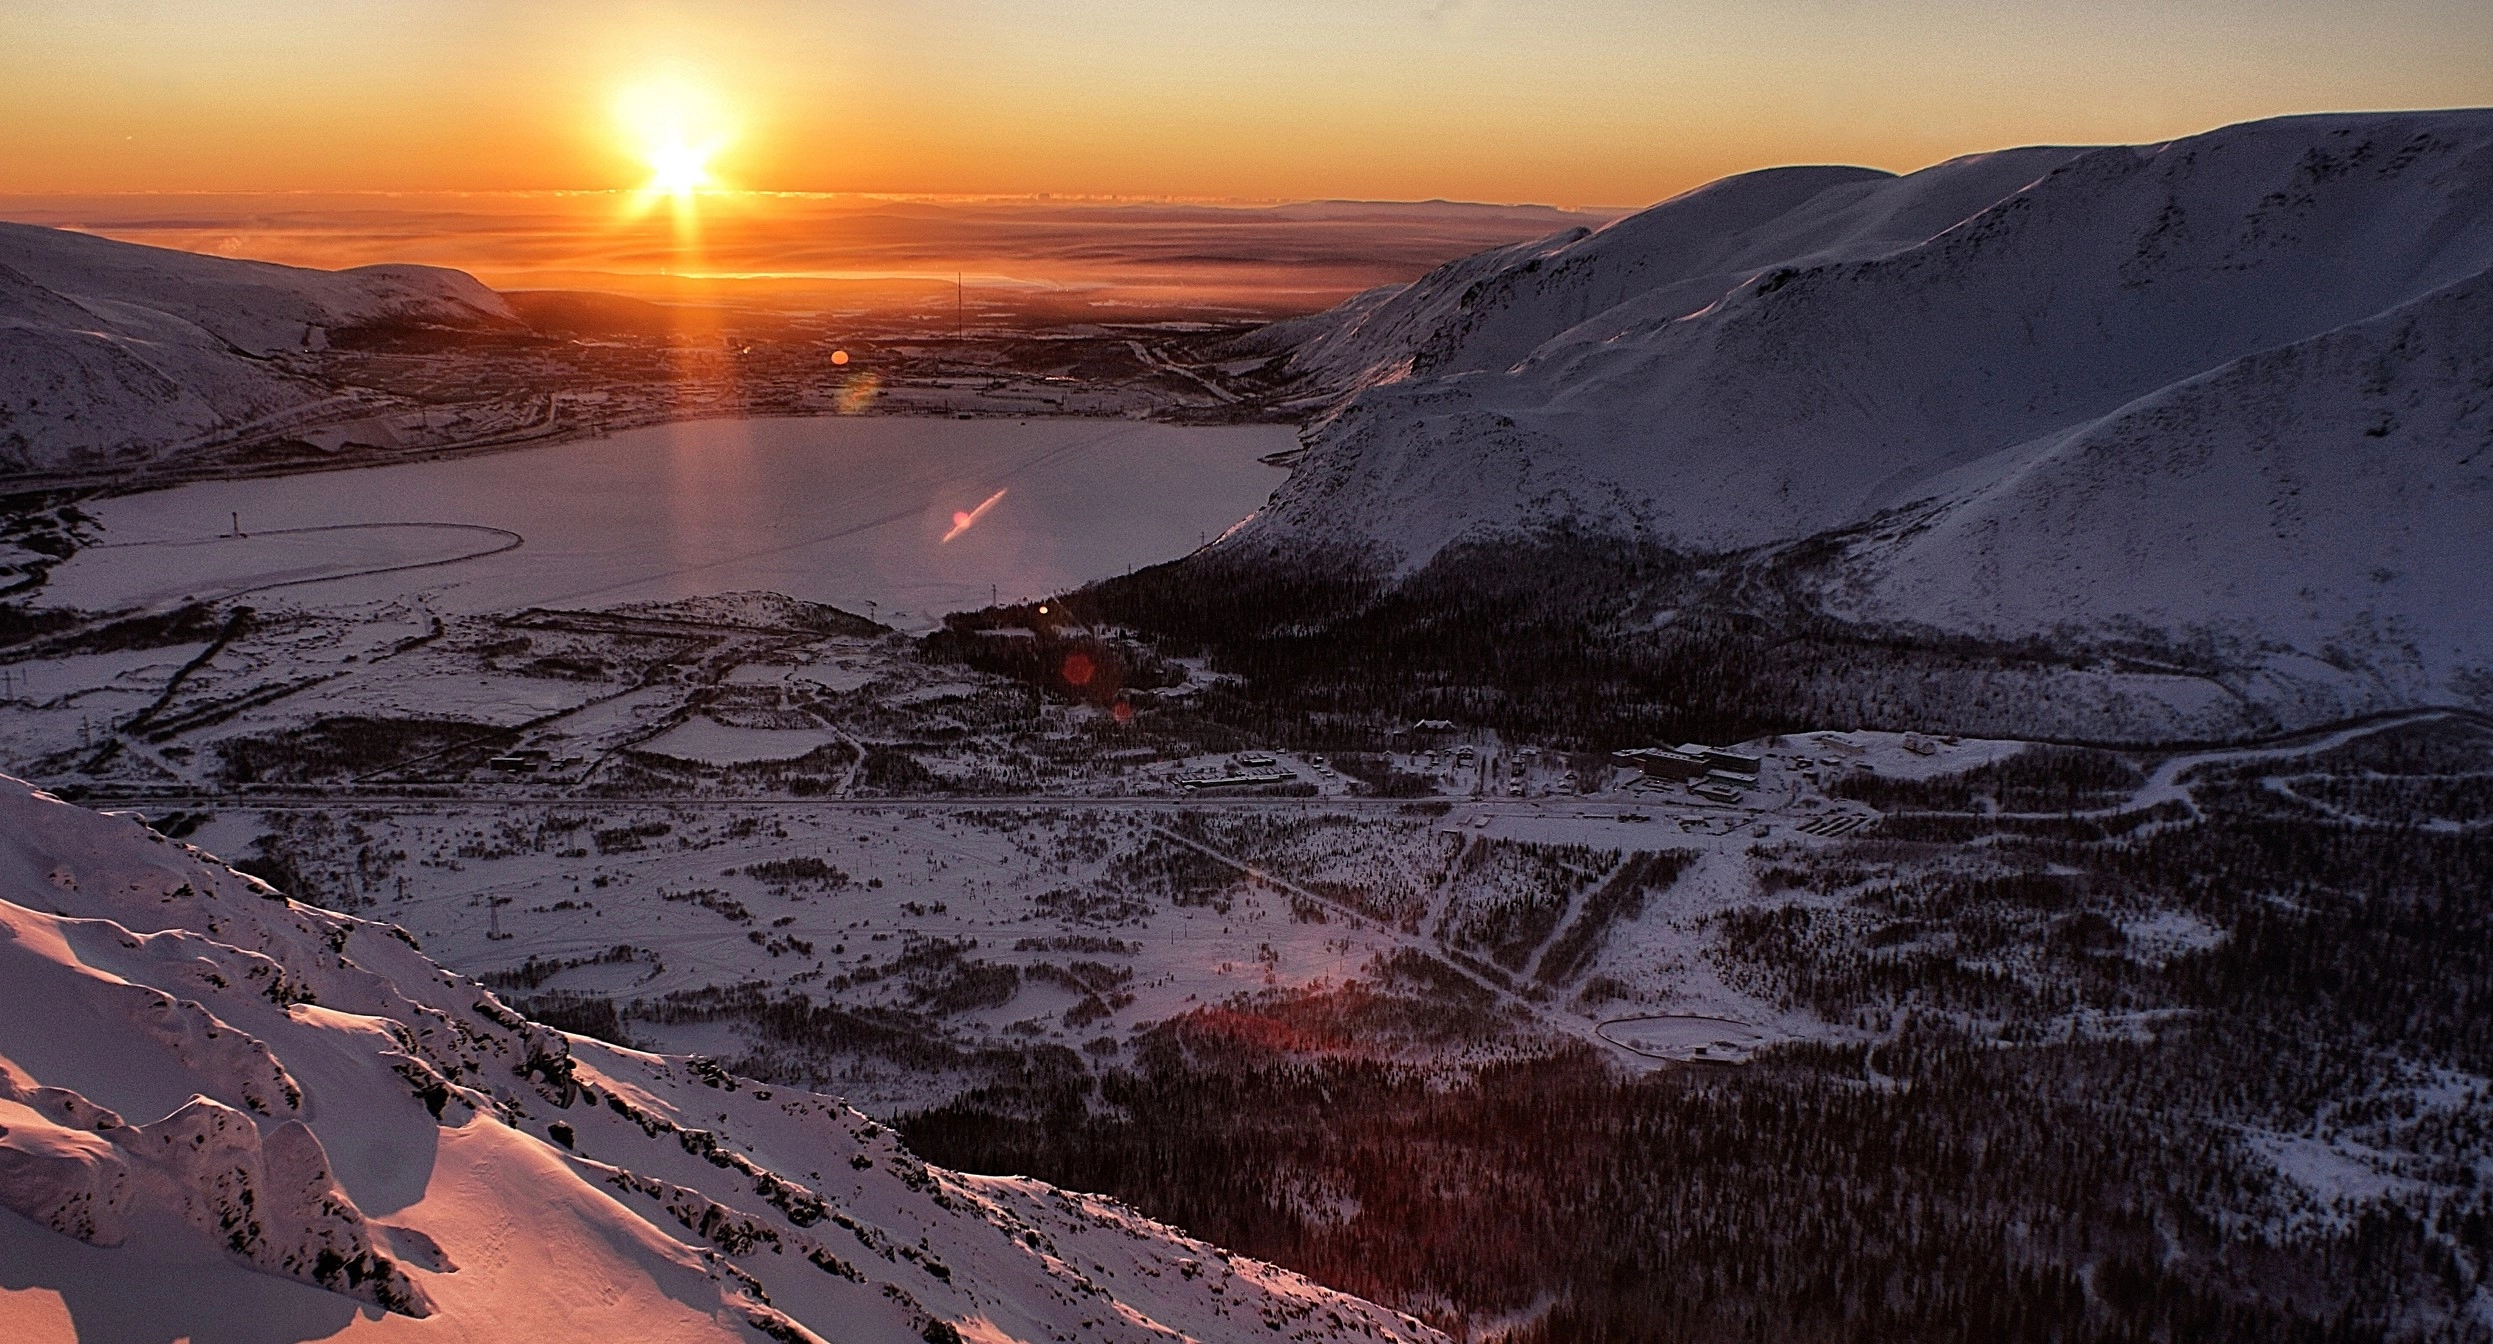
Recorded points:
112,350
224,1115
2334,497
2195,341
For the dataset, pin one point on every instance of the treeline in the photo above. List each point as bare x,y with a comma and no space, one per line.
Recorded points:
1621,896
342,746
2088,1055
794,1039
2038,779
1582,641
1945,1191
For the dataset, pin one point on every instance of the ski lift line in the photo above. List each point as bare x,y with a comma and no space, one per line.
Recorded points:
1266,878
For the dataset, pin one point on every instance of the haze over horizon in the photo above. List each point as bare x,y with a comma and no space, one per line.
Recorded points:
1611,103
840,251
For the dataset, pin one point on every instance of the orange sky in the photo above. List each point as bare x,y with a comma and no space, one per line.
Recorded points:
1606,102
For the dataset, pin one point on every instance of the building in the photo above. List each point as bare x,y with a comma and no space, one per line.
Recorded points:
1661,762
1235,776
1723,758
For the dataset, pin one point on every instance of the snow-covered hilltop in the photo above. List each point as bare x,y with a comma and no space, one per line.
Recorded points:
2232,393
220,1109
113,353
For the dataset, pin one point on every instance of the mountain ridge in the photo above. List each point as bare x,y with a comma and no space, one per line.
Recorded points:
113,353
1818,370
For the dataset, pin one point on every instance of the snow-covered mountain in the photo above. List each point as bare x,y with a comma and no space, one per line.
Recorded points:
225,1115
2231,393
113,352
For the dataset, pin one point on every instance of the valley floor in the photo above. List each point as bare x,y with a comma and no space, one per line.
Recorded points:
1041,894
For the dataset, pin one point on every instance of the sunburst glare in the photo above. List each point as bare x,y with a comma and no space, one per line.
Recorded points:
678,130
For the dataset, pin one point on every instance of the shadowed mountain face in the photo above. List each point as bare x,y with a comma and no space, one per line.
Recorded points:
2230,395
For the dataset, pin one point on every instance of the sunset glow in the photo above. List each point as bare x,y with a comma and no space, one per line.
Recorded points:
677,129
679,169
1575,102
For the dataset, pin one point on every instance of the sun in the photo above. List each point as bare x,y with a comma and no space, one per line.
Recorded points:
677,129
677,168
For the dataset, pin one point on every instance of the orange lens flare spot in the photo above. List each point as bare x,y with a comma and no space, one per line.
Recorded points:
1079,671
1122,713
965,519
839,356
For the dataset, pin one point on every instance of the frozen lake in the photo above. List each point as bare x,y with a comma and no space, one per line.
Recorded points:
845,511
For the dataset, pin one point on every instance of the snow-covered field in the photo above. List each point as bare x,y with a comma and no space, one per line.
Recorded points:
1079,922
840,510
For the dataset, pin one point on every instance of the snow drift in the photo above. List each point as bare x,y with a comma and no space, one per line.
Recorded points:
113,353
2233,393
226,1115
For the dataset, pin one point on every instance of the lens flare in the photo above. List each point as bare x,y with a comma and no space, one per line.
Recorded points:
857,394
965,519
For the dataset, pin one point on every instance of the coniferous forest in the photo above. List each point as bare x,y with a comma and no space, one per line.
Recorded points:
2104,1077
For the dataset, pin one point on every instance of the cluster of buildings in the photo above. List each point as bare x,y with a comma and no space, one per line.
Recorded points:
1252,767
1717,774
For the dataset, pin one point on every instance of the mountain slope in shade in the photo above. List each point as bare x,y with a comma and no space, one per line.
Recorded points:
113,352
2229,391
227,1116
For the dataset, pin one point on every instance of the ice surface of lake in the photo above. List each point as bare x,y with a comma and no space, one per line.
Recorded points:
844,511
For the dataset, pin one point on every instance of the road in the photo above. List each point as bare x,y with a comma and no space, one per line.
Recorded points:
2168,782
313,799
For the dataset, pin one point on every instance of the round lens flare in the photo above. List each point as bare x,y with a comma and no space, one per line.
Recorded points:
839,356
